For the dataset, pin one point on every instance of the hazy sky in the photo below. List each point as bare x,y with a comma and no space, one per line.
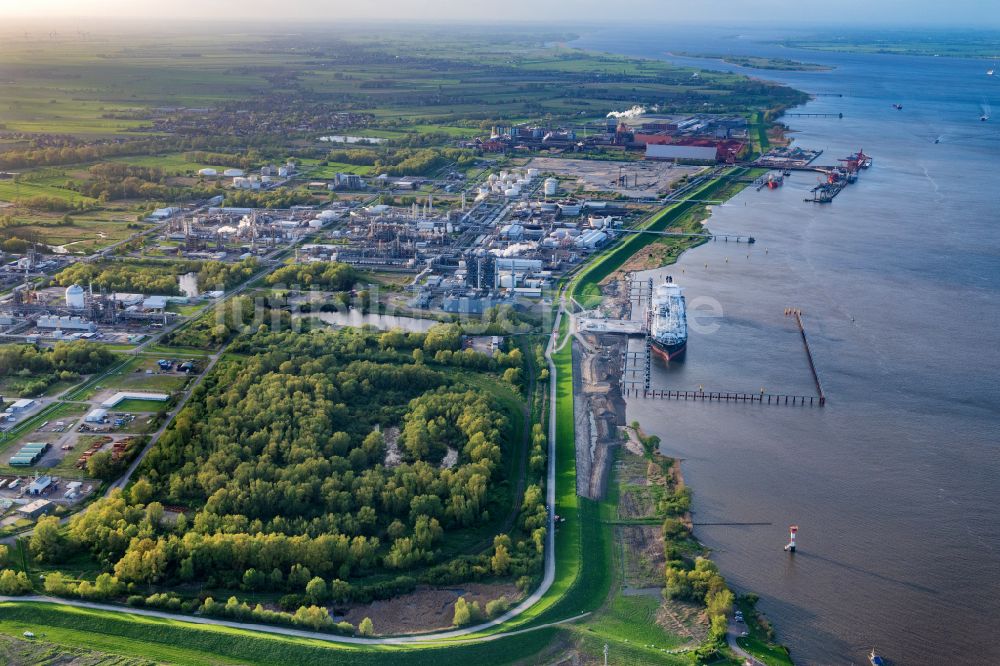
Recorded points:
972,13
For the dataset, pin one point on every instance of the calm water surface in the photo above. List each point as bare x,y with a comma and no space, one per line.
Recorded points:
894,484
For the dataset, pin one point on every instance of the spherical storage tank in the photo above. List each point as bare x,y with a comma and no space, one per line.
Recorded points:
74,297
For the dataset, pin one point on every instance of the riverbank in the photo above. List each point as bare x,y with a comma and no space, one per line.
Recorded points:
638,528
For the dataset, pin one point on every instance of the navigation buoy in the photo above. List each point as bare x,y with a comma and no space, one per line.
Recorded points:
792,531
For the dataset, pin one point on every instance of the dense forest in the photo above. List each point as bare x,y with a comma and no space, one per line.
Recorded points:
313,464
156,277
329,275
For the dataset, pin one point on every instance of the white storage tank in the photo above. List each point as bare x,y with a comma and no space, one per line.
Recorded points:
75,297
208,172
232,173
512,192
551,186
532,173
570,208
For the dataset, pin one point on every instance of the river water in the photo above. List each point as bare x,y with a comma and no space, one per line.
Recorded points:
894,484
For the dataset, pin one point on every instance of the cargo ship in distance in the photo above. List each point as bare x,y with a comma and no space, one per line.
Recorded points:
668,330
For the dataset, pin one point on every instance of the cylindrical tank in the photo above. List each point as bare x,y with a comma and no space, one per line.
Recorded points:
207,172
75,297
233,172
551,186
512,192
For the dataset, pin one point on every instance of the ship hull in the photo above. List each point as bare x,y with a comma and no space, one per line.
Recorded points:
673,352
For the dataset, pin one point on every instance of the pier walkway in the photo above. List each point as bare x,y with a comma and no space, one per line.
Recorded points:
777,399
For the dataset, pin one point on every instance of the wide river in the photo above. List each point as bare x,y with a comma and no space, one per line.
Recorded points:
895,484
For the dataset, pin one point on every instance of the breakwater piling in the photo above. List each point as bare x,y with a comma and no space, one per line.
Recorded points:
777,399
797,314
813,115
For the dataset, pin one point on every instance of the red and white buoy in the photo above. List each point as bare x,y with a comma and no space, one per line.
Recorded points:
792,531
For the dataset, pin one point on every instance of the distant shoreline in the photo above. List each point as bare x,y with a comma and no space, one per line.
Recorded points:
758,62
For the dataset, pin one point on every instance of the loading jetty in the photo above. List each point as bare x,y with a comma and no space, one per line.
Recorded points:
839,177
787,160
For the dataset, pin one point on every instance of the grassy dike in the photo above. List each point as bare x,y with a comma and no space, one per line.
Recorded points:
685,214
179,642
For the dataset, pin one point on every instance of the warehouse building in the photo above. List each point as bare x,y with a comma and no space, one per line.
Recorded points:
685,153
96,416
34,509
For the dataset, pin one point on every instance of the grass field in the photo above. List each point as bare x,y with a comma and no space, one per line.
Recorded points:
134,405
184,643
11,190
171,163
132,376
331,169
166,350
